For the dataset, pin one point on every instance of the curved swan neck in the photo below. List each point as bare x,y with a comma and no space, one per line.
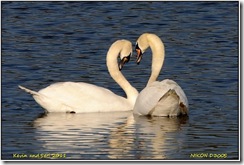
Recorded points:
115,73
158,54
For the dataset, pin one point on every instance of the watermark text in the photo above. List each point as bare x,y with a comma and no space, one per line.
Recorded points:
202,155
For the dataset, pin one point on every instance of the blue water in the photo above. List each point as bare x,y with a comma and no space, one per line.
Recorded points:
48,42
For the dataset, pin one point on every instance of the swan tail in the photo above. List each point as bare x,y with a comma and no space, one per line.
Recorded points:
28,90
48,103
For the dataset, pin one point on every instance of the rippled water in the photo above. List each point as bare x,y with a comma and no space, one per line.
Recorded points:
48,42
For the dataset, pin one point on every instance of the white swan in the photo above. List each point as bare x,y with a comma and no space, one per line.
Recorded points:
165,98
80,97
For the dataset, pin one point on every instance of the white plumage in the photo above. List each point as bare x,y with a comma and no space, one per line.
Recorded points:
165,98
161,99
80,97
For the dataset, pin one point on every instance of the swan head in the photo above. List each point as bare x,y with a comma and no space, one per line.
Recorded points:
125,52
141,45
123,60
118,54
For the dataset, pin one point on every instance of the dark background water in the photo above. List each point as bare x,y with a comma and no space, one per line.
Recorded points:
48,42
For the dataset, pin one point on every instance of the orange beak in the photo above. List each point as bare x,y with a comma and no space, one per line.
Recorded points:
139,56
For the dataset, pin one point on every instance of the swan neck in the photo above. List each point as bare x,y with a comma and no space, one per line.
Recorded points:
118,77
158,55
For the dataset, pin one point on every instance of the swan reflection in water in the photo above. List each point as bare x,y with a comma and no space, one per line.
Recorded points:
143,137
113,135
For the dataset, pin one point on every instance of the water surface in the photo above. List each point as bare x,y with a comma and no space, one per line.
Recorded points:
48,42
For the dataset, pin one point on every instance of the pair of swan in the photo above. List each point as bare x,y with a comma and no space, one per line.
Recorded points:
165,98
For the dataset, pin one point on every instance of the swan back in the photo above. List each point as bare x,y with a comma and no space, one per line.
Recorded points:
161,99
